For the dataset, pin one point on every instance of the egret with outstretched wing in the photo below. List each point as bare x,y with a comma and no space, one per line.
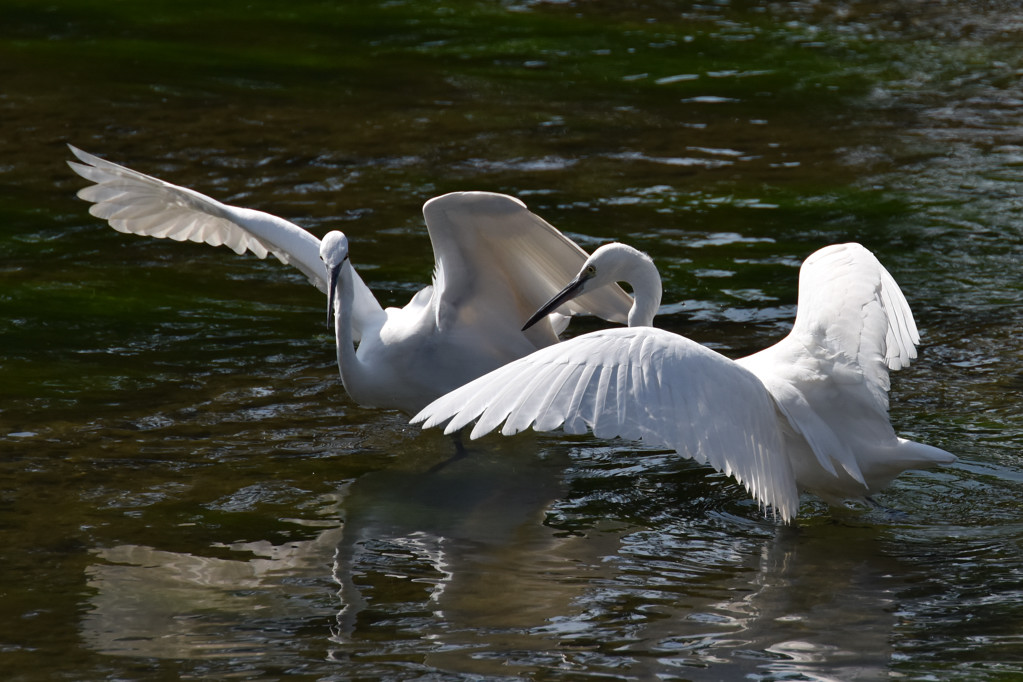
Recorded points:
495,262
807,414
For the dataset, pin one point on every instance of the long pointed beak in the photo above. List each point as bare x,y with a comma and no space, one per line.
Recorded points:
334,273
574,288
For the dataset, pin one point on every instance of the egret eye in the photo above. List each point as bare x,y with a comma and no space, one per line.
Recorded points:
591,270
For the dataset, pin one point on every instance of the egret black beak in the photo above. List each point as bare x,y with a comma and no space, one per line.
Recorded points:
333,274
574,288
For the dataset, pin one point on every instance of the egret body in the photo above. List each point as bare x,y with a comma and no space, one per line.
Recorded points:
809,413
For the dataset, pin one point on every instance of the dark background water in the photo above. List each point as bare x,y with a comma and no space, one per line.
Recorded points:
186,491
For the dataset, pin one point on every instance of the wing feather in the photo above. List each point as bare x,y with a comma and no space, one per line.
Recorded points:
493,254
902,335
136,203
520,413
575,423
551,409
643,384
830,375
851,306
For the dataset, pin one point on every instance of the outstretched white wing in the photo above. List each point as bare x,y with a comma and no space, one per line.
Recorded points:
496,258
136,203
830,374
637,383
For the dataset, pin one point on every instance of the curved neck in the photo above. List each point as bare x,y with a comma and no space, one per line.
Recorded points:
646,292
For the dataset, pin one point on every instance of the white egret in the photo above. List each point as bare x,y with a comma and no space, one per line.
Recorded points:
495,263
809,413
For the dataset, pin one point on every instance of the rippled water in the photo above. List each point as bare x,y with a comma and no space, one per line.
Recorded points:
187,492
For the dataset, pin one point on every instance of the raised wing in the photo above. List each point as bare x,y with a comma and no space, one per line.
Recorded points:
851,304
639,383
135,203
852,314
493,254
829,376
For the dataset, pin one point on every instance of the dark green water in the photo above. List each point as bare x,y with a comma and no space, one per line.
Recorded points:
186,492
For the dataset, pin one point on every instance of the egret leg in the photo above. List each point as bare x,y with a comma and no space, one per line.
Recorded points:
460,453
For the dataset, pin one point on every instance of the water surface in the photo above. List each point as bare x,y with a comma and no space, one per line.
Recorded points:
187,492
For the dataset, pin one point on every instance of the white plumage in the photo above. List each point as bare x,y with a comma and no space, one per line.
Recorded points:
809,413
495,263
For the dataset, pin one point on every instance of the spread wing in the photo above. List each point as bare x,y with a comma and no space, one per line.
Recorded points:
135,203
496,257
639,383
829,376
850,305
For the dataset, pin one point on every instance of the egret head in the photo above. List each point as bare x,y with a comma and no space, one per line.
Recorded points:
334,254
609,264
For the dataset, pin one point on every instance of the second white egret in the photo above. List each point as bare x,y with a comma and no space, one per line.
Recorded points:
495,262
809,413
